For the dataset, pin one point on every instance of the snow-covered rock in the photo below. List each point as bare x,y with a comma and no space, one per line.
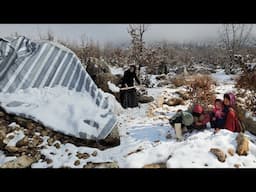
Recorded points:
20,162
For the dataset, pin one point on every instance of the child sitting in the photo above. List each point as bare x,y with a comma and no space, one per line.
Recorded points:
180,121
200,117
218,116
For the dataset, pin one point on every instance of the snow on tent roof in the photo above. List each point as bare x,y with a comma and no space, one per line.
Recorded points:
25,64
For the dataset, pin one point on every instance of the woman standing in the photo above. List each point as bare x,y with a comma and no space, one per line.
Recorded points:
128,95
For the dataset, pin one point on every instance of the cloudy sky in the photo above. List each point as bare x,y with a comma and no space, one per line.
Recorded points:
114,32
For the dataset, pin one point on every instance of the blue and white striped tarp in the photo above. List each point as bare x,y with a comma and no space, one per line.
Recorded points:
26,64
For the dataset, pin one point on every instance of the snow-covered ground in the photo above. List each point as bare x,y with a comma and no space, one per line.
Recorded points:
144,141
117,70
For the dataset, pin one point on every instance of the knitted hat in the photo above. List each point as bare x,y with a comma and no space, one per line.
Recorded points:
198,109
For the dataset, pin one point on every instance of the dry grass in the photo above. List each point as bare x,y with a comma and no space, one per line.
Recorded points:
246,85
201,90
179,81
247,81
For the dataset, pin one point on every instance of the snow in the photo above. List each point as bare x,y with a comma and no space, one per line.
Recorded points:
15,136
153,81
58,108
13,125
113,87
225,83
222,78
4,158
250,66
117,70
198,146
143,139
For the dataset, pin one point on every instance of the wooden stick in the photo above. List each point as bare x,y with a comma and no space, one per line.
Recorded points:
126,88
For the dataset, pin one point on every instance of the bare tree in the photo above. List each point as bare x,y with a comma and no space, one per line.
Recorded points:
234,37
49,36
137,32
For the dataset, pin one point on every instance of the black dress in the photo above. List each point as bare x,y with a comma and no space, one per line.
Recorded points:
128,97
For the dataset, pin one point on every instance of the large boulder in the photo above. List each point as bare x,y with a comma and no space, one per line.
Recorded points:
102,80
95,66
101,75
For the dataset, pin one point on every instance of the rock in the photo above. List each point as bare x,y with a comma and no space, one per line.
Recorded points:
44,133
161,77
37,156
39,128
219,153
82,155
155,165
2,134
57,136
100,73
57,145
145,99
242,144
21,121
163,83
22,142
37,140
95,66
102,81
113,139
142,91
30,125
12,149
48,161
231,152
21,162
237,165
2,137
183,94
2,114
50,141
95,153
10,137
101,165
174,102
77,162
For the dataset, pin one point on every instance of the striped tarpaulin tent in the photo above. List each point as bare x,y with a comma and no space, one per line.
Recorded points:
26,64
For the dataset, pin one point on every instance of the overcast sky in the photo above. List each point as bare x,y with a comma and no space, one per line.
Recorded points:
114,32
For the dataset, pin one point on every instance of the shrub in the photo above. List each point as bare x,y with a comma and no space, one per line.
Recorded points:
201,90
